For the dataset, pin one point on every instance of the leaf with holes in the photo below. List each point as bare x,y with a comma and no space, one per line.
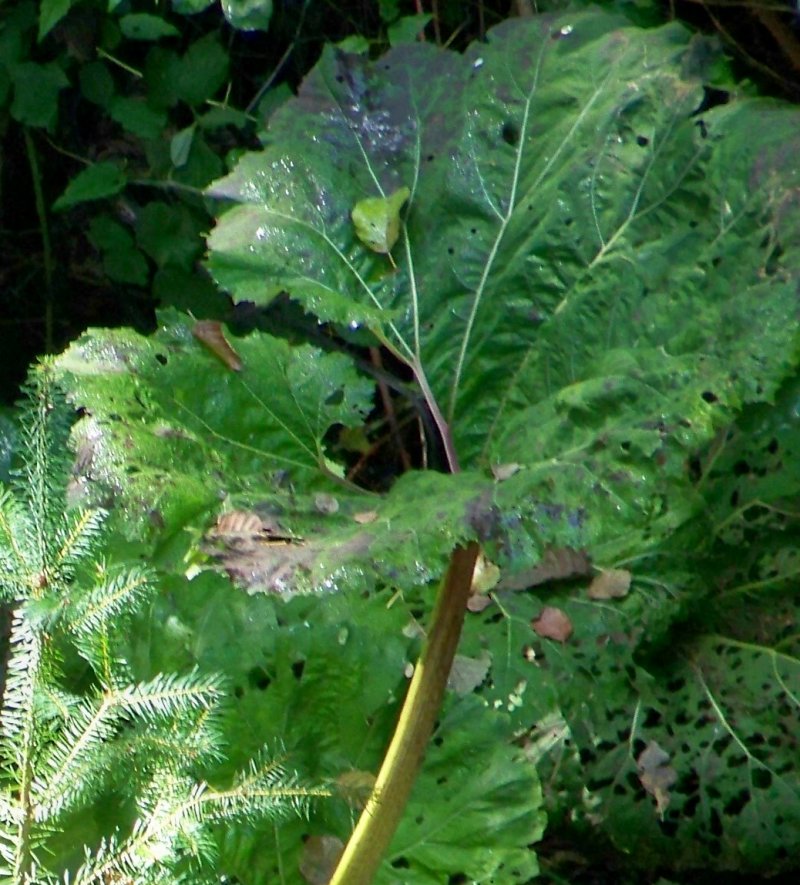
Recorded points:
475,810
167,417
594,270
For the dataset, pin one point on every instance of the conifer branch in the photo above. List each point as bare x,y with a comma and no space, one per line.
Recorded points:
62,740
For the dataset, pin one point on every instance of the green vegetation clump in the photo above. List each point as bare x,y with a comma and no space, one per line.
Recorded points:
531,303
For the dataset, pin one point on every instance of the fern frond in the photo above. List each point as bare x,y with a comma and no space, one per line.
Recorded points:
75,538
55,706
265,789
68,733
177,745
111,862
145,855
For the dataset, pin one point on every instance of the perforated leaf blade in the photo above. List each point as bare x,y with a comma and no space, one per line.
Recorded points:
323,677
720,707
177,431
476,810
592,274
164,413
752,476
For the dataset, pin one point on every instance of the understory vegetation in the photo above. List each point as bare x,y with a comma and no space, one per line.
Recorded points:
422,377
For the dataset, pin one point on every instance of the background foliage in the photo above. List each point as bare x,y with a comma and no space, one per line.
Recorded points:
594,285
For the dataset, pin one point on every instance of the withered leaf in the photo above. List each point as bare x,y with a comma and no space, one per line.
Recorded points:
505,471
326,504
267,564
244,528
612,583
485,576
319,858
656,774
238,522
553,623
467,673
210,334
365,516
355,787
557,564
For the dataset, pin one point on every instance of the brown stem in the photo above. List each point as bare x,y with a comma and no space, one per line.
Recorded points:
381,815
388,408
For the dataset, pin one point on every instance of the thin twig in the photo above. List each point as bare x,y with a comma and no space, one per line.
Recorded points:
388,407
47,251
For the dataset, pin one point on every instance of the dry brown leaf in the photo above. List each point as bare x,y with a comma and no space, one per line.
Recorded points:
656,774
326,504
365,516
485,576
238,522
210,334
355,787
265,563
612,583
243,529
557,564
553,623
320,856
505,471
467,674
478,602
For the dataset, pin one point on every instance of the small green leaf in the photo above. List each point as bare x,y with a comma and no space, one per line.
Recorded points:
134,115
218,118
141,26
162,73
171,234
97,84
357,44
377,220
476,808
248,15
122,261
36,89
50,14
203,70
94,183
202,164
190,7
181,144
407,29
389,10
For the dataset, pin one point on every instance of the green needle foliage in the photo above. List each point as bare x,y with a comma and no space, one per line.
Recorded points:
79,735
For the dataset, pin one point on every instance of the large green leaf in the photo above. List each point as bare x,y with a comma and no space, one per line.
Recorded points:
476,809
169,420
593,273
719,706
